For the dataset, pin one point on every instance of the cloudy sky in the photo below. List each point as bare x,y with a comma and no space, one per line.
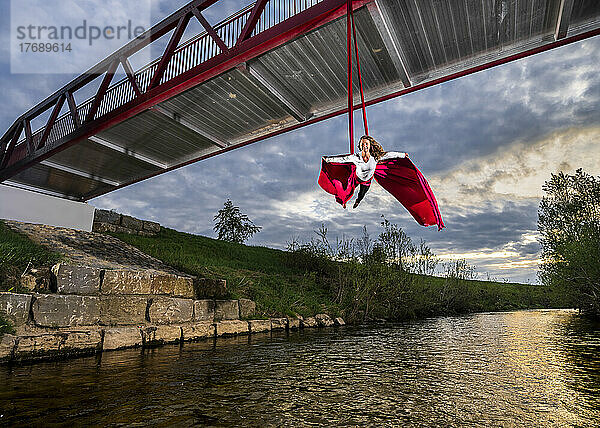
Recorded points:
486,143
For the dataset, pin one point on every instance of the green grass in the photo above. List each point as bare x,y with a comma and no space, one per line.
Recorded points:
284,283
17,253
202,254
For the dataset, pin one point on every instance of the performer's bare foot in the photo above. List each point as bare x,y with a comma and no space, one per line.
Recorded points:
344,205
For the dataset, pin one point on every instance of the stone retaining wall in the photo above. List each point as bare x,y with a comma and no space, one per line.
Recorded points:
51,326
112,296
110,221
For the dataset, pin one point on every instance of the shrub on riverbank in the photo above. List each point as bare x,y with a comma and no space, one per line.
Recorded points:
18,255
360,280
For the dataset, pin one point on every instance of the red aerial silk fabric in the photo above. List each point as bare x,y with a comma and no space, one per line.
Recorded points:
399,176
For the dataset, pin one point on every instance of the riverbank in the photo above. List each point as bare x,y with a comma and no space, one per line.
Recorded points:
290,283
286,283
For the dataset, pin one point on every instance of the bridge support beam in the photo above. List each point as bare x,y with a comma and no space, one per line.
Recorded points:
382,23
176,118
124,150
79,173
564,18
39,190
261,76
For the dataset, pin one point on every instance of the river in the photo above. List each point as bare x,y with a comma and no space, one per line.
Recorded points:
526,368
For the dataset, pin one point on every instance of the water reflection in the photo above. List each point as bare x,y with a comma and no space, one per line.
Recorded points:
519,368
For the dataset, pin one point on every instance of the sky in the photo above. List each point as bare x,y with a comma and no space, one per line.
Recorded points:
486,143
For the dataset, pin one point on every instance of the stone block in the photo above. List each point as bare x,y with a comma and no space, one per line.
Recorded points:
279,323
198,330
309,322
132,223
104,228
126,282
121,229
170,310
293,323
231,327
258,326
51,310
38,346
226,310
172,285
123,310
7,347
72,279
151,226
247,308
157,335
121,337
324,320
204,310
147,282
15,307
28,282
81,341
210,288
105,216
339,321
43,278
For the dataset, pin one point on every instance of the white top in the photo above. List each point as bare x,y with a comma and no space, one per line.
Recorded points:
364,170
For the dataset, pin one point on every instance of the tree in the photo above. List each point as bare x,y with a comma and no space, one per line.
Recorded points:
427,261
397,245
569,225
233,226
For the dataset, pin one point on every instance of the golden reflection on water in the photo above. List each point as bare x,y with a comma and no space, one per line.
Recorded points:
526,368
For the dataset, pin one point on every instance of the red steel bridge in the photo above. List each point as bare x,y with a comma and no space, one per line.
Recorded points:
272,67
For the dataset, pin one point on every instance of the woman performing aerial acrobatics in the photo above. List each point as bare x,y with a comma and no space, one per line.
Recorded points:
394,171
365,163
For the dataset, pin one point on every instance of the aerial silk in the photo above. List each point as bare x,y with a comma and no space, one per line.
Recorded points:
395,172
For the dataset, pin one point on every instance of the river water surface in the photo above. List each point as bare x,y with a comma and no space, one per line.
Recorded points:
526,368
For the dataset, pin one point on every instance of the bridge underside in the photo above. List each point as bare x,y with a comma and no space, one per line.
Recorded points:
291,77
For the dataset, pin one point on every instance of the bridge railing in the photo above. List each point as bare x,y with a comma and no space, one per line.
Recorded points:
190,54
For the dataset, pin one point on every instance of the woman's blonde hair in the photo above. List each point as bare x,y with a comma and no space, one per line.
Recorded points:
376,149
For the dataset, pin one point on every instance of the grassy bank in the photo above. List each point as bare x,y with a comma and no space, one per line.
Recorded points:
304,282
18,255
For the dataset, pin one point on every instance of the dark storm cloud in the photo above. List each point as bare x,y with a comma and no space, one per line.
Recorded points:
489,229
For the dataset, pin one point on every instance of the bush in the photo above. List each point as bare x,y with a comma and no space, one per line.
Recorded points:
569,225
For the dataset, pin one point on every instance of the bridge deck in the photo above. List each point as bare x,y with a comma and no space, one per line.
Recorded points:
275,66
